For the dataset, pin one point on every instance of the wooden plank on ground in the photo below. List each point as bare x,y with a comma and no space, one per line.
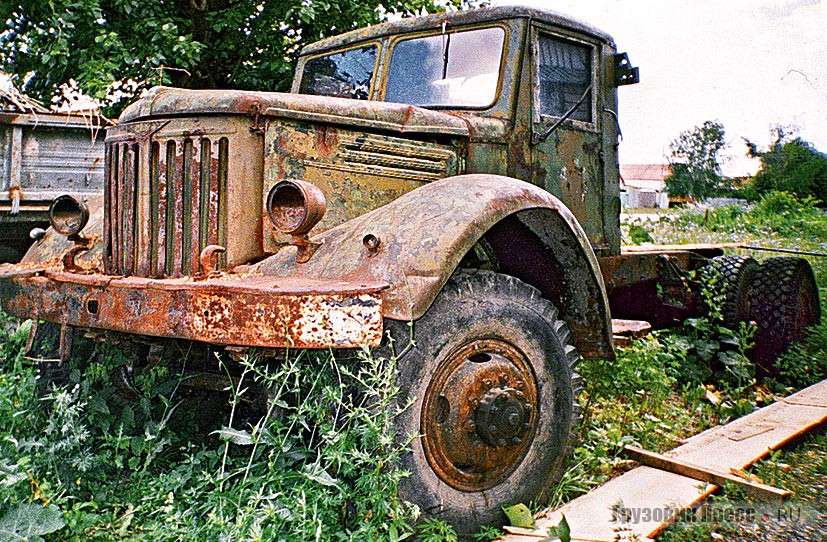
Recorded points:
660,495
705,474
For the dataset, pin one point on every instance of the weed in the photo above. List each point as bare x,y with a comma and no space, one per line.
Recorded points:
434,530
638,234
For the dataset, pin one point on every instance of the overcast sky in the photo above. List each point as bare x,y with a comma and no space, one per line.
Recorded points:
752,64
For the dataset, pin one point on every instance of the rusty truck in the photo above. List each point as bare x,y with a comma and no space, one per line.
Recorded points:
43,155
448,181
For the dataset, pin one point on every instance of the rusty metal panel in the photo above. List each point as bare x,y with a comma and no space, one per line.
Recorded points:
356,171
248,311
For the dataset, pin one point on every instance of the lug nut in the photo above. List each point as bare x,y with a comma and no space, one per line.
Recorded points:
516,440
501,442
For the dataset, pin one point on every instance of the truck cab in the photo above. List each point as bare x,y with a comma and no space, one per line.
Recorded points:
535,91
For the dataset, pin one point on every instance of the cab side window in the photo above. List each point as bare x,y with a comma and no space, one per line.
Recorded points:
565,74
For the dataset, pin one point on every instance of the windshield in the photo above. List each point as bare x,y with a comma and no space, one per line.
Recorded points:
344,75
448,70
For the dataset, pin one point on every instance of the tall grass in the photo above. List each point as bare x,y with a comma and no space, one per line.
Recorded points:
318,463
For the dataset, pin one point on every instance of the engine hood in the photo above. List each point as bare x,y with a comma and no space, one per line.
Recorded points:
173,102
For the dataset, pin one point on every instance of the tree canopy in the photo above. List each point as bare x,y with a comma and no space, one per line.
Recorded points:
790,164
695,163
113,49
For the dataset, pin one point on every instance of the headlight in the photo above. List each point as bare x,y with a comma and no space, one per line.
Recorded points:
294,207
68,216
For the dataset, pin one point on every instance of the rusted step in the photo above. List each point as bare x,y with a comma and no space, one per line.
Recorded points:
737,445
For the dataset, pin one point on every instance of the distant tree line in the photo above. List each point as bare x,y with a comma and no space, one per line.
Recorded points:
790,164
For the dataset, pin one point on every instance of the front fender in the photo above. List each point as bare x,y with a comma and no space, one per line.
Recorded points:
425,234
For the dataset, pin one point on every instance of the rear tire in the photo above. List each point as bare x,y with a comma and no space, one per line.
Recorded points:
785,303
492,378
735,274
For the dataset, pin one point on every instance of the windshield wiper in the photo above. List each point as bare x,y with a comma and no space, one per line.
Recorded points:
446,45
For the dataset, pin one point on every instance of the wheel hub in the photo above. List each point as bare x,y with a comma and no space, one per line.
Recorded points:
502,417
479,414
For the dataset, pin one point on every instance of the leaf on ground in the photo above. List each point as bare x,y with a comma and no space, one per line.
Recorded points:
714,397
26,522
562,532
520,516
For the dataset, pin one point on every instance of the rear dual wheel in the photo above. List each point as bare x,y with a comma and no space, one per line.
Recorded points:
492,377
784,304
780,296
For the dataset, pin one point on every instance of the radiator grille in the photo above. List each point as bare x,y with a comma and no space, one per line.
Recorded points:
165,201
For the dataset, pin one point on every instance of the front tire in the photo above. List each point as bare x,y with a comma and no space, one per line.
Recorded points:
492,378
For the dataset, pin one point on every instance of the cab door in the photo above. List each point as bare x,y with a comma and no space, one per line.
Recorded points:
567,146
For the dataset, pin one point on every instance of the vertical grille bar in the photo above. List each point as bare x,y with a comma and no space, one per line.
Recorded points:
178,223
187,219
221,222
139,264
195,210
107,210
114,211
169,225
154,211
204,195
162,210
126,212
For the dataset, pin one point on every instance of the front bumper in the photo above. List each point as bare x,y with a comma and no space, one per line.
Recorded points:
273,312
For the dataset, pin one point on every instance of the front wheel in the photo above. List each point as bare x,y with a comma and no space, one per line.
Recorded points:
492,378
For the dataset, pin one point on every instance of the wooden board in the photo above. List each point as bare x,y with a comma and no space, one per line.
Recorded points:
733,446
705,474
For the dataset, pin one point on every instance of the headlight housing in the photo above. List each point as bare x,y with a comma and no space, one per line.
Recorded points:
68,216
294,207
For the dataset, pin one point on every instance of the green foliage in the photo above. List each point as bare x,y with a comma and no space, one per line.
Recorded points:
132,463
115,48
806,363
639,234
694,162
705,348
774,213
789,165
562,532
434,530
488,534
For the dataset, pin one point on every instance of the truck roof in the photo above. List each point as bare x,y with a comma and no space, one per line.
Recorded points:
480,15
